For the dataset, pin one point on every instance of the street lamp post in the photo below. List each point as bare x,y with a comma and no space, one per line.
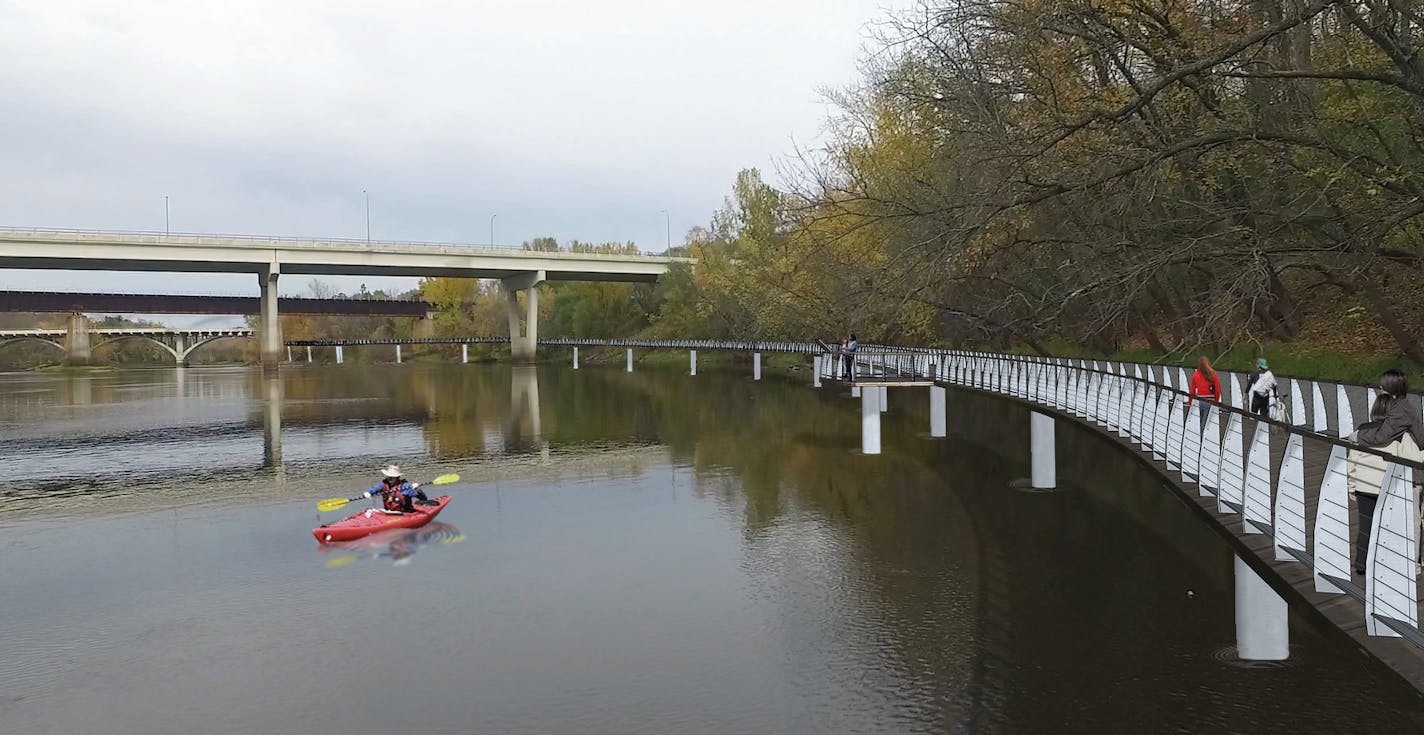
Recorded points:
368,215
165,215
668,217
492,229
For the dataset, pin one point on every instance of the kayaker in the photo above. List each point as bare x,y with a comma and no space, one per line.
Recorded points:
396,494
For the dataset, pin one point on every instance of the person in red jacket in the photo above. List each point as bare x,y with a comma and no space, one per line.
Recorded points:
1205,384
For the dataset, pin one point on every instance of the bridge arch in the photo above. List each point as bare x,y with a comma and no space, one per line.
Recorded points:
44,340
182,355
143,337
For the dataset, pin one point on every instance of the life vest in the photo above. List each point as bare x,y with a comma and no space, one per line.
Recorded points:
392,498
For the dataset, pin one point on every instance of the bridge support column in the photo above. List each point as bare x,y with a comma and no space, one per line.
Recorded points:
1042,448
884,393
398,355
816,371
339,356
630,359
937,416
180,350
692,358
855,391
270,329
523,343
76,344
289,354
309,358
756,366
576,358
870,421
1262,618
464,354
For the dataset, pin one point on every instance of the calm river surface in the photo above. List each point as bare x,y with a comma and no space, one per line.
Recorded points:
644,553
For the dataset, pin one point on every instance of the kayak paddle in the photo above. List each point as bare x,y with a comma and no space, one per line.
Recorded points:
334,503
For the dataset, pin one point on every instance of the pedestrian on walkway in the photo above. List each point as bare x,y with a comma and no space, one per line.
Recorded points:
1259,388
848,347
1402,418
1205,384
1364,476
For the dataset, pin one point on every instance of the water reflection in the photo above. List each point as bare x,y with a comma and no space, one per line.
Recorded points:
397,545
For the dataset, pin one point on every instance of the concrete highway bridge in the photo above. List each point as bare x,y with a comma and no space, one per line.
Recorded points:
270,257
124,303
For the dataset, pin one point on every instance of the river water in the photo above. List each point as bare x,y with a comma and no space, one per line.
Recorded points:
625,553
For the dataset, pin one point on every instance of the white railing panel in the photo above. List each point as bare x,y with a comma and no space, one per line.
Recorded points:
1258,481
1332,525
1159,425
1390,573
1290,501
1344,417
1297,404
1209,457
1321,423
1174,434
1233,473
1191,446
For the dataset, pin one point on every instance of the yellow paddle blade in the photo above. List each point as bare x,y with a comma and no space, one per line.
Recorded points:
445,479
332,503
340,561
452,540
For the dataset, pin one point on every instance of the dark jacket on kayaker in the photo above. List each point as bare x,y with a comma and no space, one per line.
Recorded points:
396,494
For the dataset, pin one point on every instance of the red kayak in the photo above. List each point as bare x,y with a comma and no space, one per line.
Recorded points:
370,521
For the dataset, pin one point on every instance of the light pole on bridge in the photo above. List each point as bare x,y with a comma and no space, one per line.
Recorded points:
368,215
492,229
165,215
668,218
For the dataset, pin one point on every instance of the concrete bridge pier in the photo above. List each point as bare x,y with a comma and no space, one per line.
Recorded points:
692,359
340,357
289,354
309,356
756,366
464,354
77,345
398,354
180,351
870,421
523,343
937,412
1262,618
630,359
269,330
576,358
1042,449
816,371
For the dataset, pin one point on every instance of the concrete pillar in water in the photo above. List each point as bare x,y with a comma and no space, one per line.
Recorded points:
870,421
398,355
937,414
756,366
269,326
464,354
1042,448
524,343
692,361
630,359
884,393
816,371
76,344
855,391
309,357
1262,618
339,356
576,358
289,353
180,350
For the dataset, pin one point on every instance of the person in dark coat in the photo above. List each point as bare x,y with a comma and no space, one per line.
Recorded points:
1401,417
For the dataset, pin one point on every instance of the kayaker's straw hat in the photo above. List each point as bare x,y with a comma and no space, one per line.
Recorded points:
391,470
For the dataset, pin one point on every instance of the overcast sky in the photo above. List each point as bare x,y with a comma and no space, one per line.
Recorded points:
574,119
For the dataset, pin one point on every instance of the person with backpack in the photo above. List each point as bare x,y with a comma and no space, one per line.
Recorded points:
1205,384
1260,385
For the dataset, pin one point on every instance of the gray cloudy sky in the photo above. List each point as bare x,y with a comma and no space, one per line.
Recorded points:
575,119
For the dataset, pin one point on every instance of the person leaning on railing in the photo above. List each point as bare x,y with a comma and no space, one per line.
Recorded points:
1402,418
1393,429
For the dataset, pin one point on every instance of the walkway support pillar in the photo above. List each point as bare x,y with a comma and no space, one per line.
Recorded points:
464,354
870,421
309,356
289,353
816,371
523,343
630,359
576,358
1262,618
692,360
76,344
398,355
937,414
756,366
884,393
270,328
340,358
1042,448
